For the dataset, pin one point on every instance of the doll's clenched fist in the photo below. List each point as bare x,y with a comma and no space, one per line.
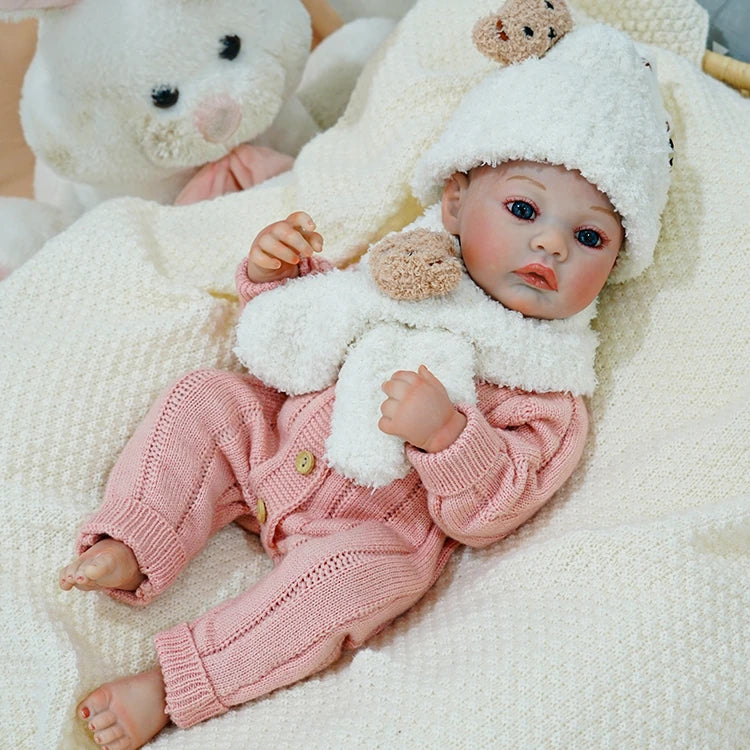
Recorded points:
277,250
419,411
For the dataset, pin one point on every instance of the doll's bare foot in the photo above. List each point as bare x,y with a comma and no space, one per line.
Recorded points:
127,713
109,564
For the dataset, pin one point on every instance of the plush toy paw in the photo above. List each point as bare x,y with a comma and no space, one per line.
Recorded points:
415,265
522,29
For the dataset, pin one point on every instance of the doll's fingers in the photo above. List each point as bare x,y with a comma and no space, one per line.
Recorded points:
260,259
385,424
302,220
389,407
404,377
293,237
315,241
306,226
397,387
408,376
427,375
278,248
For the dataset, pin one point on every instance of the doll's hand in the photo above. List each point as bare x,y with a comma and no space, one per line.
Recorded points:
277,250
419,411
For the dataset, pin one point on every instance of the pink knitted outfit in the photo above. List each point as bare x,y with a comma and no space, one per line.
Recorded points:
347,559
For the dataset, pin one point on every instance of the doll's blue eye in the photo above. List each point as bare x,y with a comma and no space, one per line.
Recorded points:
589,237
164,97
230,47
522,210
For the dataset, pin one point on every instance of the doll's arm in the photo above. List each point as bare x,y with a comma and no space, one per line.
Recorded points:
248,290
515,452
282,250
277,250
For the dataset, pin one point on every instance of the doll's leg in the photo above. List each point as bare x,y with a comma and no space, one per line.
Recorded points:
178,480
325,595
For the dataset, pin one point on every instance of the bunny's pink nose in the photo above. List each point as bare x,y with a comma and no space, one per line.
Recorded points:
218,118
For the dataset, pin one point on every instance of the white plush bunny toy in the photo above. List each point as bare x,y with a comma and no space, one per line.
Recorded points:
133,97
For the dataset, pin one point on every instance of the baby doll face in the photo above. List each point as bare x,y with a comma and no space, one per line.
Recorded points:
538,238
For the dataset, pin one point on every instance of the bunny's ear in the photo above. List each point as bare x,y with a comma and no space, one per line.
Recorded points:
16,10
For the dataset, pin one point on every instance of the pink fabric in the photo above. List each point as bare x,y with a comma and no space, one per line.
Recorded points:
244,166
347,559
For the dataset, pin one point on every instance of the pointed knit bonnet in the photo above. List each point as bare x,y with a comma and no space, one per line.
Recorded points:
585,98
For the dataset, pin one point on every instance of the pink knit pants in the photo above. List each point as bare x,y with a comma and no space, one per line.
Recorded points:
347,560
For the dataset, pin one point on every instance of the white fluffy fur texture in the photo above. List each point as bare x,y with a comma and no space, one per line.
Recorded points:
590,104
88,116
341,328
616,618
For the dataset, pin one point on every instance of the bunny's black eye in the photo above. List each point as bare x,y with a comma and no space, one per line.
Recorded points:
528,31
164,97
230,47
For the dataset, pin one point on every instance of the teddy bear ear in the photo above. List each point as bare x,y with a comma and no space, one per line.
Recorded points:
522,29
415,265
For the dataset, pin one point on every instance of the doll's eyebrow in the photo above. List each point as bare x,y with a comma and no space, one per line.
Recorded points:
606,211
524,177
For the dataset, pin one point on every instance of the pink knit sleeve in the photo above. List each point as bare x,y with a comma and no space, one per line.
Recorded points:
248,289
516,451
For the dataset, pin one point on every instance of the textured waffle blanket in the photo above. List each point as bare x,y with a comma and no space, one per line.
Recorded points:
617,618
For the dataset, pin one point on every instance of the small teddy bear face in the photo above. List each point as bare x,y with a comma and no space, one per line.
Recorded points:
415,265
136,90
522,29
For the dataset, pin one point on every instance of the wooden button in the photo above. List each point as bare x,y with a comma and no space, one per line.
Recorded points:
304,462
260,510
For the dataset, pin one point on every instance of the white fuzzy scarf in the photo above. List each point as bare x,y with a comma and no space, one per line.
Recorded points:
340,328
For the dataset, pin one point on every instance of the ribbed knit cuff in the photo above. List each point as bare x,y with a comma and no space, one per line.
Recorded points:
156,546
190,697
248,290
461,465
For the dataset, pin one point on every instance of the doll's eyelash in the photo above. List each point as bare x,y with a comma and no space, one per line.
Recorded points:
604,239
508,203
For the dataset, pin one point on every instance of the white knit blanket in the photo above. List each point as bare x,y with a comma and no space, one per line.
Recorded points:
617,618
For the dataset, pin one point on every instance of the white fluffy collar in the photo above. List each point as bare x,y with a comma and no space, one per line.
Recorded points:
340,328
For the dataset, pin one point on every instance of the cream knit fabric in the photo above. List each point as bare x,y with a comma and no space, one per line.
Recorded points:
617,618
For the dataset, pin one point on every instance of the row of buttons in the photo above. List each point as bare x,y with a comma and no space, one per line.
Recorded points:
304,463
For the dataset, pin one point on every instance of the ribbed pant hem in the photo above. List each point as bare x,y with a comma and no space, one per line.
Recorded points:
156,546
190,697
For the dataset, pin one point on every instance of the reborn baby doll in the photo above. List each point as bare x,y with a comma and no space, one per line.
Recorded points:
544,209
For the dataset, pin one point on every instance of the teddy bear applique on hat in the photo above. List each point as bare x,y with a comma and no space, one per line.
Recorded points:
586,99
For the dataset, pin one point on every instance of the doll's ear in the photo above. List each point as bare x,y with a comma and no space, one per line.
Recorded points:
415,265
450,204
17,10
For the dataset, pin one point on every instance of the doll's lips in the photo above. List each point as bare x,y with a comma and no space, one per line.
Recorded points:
538,275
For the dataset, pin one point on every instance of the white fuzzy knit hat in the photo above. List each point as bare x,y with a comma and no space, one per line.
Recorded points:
592,104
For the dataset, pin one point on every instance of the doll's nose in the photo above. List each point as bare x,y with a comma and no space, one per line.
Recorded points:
218,118
552,241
